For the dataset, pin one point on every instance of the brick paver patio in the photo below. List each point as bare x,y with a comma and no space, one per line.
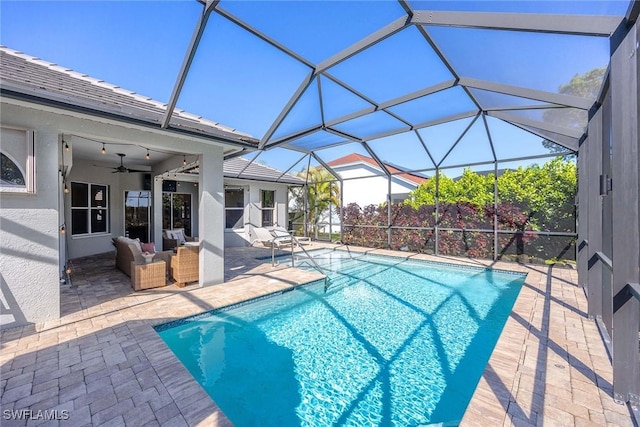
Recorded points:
103,364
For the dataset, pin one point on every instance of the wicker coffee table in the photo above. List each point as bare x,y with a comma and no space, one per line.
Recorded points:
148,275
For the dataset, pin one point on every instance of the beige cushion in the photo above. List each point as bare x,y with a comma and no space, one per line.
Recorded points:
136,252
129,241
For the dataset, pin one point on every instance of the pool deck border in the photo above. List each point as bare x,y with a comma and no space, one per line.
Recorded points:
103,363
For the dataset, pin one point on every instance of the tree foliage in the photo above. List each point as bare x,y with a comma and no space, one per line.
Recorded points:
531,198
321,192
471,187
585,85
542,192
545,193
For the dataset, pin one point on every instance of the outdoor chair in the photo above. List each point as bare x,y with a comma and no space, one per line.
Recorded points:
174,238
267,238
185,265
282,232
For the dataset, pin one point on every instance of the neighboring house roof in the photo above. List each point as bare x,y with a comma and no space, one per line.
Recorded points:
29,78
239,167
354,159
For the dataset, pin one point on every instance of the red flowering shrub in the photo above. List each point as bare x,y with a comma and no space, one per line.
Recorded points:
368,227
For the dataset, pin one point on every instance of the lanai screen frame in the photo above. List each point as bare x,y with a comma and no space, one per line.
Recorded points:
615,220
598,26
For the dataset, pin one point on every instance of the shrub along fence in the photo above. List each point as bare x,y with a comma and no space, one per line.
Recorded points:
460,229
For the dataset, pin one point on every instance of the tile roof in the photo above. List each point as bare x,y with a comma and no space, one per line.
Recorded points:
355,158
239,167
28,77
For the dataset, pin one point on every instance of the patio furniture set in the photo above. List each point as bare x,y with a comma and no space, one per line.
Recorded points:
150,269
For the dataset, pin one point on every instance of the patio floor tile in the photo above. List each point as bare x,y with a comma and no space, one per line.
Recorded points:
104,363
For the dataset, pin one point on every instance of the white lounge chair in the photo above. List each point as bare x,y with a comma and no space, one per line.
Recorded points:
282,232
268,238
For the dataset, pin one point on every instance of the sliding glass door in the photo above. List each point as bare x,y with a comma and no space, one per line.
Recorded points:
176,211
137,211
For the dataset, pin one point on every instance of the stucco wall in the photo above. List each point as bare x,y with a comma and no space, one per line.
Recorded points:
32,251
29,232
253,212
369,187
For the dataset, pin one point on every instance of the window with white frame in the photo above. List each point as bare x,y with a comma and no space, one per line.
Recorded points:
268,204
17,161
234,208
89,208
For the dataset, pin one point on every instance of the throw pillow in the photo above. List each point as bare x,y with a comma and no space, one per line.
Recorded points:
178,234
148,247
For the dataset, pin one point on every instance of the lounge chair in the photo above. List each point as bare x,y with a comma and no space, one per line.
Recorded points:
269,238
282,232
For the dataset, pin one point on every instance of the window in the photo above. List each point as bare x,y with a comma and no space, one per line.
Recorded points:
89,208
17,162
11,173
267,199
234,208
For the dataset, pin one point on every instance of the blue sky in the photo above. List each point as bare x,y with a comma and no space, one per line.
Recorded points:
242,82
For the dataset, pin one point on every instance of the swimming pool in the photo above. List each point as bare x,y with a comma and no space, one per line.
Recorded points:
391,342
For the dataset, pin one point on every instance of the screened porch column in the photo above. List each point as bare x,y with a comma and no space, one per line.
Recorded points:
211,217
626,217
590,156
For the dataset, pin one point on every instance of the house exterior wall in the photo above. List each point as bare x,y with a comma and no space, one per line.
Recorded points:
370,186
252,210
29,232
33,253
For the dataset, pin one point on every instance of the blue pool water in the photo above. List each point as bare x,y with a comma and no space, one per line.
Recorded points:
391,342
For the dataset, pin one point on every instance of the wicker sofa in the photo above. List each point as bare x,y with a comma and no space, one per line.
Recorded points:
128,250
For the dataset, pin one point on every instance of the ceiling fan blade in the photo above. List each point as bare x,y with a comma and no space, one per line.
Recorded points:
135,170
106,167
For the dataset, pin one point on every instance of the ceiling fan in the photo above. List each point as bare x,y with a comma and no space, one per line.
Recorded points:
122,168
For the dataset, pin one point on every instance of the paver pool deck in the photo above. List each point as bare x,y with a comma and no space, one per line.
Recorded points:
103,364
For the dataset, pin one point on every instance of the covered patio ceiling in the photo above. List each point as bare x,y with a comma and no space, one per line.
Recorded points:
417,84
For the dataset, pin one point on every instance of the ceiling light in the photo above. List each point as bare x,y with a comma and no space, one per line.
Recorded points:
104,150
147,156
66,147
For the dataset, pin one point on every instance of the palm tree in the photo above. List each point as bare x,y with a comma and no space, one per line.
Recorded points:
321,192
